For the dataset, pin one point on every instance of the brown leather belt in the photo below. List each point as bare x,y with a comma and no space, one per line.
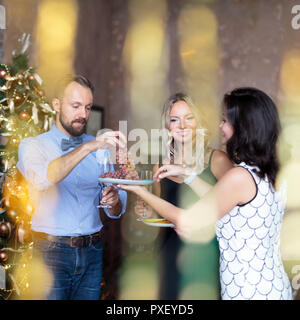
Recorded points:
74,242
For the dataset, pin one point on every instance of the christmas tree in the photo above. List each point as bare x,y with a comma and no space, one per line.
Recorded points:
24,112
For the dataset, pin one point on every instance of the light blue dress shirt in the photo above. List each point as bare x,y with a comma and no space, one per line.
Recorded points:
67,208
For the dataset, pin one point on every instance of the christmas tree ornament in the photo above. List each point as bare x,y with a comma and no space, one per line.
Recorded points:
23,233
3,73
12,214
38,79
14,141
3,255
35,114
5,229
11,123
24,115
11,106
19,99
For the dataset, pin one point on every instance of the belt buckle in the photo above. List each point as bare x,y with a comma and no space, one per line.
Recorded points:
81,241
74,242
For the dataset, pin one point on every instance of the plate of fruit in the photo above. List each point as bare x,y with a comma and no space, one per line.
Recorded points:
158,223
125,174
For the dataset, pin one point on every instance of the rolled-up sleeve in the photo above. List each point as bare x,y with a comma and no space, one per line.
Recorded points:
33,163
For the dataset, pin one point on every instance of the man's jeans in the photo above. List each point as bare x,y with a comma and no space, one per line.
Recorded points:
76,272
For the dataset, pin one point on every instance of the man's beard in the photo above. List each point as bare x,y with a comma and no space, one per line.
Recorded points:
71,130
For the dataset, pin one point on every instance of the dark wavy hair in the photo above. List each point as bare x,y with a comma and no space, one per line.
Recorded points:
256,124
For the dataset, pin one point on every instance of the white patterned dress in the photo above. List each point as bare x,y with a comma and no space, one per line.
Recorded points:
249,242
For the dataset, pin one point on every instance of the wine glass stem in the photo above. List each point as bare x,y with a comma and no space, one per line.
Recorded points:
103,204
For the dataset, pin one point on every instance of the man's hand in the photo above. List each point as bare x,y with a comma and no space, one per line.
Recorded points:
109,139
110,196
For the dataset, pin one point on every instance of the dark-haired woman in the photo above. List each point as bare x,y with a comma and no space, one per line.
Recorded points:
244,203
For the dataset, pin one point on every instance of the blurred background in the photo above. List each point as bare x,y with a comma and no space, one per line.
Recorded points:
137,53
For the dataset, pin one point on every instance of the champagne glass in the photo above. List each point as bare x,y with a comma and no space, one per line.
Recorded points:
144,175
106,167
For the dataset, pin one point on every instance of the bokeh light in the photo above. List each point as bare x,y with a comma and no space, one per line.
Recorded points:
146,61
290,82
200,60
56,31
289,151
199,291
139,278
33,277
290,240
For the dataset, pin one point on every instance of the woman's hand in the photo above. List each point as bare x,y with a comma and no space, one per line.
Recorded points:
133,188
142,209
173,172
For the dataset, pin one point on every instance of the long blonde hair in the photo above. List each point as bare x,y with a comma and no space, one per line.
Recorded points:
168,140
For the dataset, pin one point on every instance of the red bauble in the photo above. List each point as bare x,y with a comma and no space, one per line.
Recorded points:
3,73
5,229
3,256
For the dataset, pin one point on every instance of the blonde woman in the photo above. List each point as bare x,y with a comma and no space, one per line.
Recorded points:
184,126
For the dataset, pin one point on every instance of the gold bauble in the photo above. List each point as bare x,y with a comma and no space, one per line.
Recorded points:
15,141
23,115
18,98
12,214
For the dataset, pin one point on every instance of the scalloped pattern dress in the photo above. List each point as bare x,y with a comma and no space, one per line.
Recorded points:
249,242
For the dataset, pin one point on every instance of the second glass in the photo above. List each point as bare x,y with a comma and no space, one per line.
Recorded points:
141,204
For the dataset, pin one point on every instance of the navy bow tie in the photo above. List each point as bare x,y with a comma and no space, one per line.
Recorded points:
70,143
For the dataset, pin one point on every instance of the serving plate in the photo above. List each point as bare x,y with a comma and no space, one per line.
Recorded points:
158,223
125,181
